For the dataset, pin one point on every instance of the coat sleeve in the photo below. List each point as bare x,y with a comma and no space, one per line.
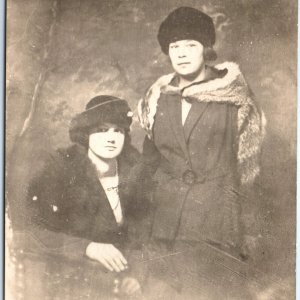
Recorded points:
142,178
41,242
41,219
150,156
140,210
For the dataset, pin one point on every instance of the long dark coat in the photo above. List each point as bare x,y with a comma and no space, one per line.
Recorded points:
196,223
65,209
208,209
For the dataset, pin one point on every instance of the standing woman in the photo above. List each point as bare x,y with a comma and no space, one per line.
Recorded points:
204,135
72,228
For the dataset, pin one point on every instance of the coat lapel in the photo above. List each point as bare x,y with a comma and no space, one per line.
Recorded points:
174,113
98,193
124,184
193,117
198,108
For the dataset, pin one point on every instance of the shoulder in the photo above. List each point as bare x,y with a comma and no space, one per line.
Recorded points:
72,156
60,162
231,77
74,152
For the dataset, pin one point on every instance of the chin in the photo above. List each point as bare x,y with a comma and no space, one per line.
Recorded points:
109,156
185,72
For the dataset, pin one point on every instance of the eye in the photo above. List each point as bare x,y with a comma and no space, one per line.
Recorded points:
119,130
173,46
191,45
103,129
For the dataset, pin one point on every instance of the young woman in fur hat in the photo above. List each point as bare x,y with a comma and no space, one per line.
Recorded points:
204,135
77,210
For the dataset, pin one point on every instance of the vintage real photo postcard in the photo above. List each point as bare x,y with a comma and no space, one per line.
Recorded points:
150,149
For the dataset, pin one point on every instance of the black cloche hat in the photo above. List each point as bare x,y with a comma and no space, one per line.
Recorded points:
186,23
101,109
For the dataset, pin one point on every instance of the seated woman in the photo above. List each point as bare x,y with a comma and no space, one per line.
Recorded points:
76,211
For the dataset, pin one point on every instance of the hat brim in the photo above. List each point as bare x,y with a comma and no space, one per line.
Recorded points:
115,113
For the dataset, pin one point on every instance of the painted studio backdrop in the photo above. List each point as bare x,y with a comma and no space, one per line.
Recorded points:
61,53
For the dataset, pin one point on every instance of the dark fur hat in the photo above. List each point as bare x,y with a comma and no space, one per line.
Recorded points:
186,23
100,109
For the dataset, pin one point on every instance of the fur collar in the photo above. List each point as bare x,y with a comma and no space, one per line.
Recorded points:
232,89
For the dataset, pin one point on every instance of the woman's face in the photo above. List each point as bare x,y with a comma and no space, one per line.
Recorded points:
187,57
107,141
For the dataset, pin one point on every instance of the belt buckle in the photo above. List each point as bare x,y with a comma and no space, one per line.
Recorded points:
189,177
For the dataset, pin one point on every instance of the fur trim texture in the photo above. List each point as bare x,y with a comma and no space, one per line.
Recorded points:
232,89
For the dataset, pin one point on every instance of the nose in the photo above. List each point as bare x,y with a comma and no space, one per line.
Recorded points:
181,52
111,140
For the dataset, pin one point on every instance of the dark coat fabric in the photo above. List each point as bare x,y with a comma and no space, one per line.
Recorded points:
65,209
207,210
196,226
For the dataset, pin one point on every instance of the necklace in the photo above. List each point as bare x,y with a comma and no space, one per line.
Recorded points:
112,190
118,203
110,183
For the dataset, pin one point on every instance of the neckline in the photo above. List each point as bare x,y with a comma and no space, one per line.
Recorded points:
101,166
211,74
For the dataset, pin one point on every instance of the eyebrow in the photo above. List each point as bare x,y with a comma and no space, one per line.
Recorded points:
187,41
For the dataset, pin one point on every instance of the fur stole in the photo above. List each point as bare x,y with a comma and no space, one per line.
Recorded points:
231,89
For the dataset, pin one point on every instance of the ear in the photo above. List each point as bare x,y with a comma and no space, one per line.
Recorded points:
209,54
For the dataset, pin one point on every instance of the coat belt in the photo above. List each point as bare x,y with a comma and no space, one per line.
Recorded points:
189,176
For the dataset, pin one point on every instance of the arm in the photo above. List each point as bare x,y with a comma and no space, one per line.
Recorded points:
39,216
43,242
140,207
141,180
146,169
150,156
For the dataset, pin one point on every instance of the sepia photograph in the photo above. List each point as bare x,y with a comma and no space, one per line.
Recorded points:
150,149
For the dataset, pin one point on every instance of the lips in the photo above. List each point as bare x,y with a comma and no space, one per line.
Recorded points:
183,63
110,147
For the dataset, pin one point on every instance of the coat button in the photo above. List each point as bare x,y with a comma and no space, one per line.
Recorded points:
189,177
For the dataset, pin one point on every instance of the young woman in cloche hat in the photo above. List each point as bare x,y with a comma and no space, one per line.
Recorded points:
77,210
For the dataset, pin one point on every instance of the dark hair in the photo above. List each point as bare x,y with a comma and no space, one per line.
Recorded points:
81,135
129,153
100,109
209,54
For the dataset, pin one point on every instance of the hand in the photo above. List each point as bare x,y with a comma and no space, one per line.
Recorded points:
108,255
130,286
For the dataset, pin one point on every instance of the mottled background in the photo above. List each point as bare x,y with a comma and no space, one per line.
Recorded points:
60,53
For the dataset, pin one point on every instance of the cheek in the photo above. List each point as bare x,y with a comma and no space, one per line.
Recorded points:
172,57
198,59
91,141
95,140
200,54
121,141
